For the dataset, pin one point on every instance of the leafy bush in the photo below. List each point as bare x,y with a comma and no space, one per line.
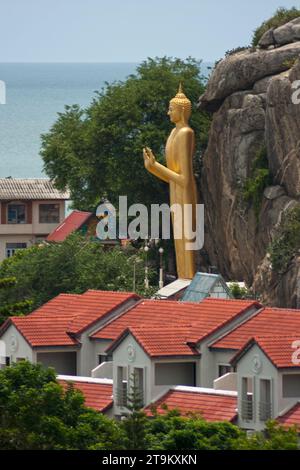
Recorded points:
260,178
281,16
239,292
73,266
286,242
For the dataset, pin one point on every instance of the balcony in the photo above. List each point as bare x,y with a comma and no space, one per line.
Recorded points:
121,395
247,410
265,411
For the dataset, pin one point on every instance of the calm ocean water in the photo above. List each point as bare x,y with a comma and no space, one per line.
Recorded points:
35,93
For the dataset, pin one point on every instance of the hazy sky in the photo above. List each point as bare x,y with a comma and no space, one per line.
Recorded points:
127,30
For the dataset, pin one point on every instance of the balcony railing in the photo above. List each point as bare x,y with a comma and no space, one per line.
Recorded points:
121,398
265,411
247,410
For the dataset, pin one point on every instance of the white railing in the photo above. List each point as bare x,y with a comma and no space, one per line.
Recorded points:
226,382
103,371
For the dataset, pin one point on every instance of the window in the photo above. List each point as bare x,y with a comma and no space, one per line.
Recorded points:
291,386
104,358
121,395
247,399
265,404
11,248
223,369
16,214
49,213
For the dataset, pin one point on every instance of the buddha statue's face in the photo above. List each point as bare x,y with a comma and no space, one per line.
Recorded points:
175,112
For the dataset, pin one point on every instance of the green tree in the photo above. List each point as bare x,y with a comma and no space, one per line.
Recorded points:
135,424
77,264
97,152
37,414
17,308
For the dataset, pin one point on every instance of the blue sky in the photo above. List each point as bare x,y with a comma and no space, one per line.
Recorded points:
127,30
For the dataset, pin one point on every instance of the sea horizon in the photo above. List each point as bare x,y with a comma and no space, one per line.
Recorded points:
35,93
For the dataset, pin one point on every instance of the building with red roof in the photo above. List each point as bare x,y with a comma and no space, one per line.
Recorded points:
97,392
268,379
291,417
209,358
57,334
77,220
210,404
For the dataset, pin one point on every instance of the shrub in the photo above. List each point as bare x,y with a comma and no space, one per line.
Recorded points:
281,16
286,242
260,178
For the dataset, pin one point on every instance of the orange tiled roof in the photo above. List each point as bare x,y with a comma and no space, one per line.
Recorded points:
212,406
54,322
97,395
175,323
279,349
273,322
156,342
291,417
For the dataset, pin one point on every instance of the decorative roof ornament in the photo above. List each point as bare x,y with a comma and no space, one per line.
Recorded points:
181,100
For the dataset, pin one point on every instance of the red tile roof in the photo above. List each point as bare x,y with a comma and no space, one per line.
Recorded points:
175,323
171,341
51,324
72,222
273,322
279,349
212,406
97,395
291,417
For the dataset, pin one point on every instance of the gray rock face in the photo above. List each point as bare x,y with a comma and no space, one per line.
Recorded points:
267,39
283,133
254,109
242,70
287,33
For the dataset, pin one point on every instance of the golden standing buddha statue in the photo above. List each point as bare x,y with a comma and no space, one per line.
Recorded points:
179,174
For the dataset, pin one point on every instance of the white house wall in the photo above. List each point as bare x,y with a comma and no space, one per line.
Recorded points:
210,358
16,346
141,360
286,402
245,368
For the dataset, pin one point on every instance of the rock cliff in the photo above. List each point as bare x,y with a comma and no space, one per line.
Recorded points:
250,96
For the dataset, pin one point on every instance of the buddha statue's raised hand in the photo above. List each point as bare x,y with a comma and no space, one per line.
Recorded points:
149,158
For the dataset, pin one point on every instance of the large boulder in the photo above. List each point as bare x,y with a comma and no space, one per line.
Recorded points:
250,94
242,70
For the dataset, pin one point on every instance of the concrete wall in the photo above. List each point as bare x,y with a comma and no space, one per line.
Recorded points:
246,368
140,360
28,233
211,358
63,362
177,373
16,346
286,402
87,358
28,239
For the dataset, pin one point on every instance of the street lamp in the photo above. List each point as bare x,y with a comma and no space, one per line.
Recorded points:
161,276
146,249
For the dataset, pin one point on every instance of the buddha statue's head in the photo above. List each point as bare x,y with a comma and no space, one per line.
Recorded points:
180,107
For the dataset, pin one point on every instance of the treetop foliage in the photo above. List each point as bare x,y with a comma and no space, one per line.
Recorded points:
97,151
